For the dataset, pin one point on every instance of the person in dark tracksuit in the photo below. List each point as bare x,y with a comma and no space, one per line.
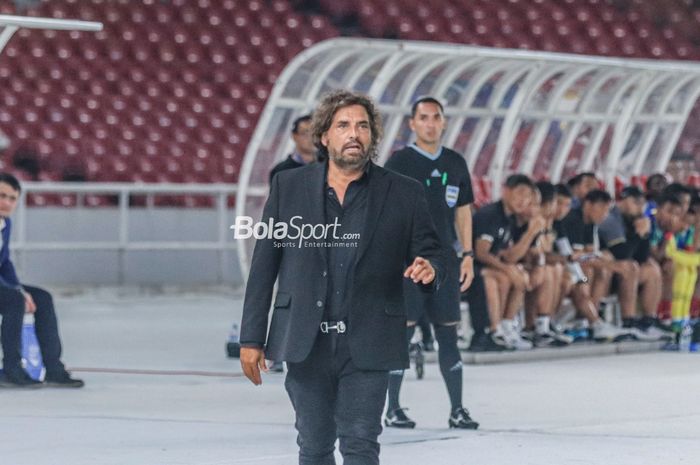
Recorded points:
447,184
304,149
17,299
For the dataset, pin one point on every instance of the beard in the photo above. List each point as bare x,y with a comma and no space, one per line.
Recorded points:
350,162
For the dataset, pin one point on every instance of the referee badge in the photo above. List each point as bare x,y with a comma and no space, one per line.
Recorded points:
451,195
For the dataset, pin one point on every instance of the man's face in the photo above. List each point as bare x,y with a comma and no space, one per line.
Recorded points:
657,183
632,206
596,212
668,216
349,139
518,199
428,123
548,209
8,200
587,184
563,207
302,138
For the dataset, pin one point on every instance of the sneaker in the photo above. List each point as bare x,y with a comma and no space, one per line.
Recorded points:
512,338
552,339
661,334
486,343
18,380
428,346
639,334
397,418
63,380
460,419
606,332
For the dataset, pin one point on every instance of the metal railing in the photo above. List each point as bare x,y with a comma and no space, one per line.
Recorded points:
123,192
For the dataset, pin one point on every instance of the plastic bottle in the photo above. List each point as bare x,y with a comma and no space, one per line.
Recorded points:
31,352
685,337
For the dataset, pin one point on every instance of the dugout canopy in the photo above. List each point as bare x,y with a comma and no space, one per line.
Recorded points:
549,115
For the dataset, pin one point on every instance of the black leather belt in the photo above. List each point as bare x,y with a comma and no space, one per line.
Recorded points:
333,326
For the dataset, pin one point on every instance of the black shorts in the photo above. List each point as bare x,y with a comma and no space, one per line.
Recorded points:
441,306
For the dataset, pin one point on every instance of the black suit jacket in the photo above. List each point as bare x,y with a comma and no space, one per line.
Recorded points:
397,229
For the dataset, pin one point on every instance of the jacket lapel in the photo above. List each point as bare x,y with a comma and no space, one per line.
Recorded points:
315,199
378,190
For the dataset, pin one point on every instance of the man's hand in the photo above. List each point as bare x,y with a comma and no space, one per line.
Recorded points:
420,271
537,224
252,361
466,273
29,305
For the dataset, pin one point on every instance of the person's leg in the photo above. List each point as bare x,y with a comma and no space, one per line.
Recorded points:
311,386
12,311
426,333
650,282
451,369
495,283
514,300
46,326
358,423
600,280
450,362
395,415
478,306
627,272
538,300
667,273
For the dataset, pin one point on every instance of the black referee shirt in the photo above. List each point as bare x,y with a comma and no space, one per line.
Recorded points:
446,180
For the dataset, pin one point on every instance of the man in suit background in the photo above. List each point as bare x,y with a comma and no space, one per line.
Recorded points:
304,148
341,248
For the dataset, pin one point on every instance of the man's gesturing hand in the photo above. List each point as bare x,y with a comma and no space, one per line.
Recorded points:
252,361
420,271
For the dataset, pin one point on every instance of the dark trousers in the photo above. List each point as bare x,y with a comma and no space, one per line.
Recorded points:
333,399
45,324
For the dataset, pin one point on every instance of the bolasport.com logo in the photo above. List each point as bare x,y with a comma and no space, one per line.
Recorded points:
294,233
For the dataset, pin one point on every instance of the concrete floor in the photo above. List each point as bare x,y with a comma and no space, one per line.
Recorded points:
161,391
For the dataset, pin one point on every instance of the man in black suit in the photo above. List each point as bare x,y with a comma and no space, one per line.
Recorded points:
341,248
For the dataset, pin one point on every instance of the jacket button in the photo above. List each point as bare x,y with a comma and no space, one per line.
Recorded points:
324,274
319,303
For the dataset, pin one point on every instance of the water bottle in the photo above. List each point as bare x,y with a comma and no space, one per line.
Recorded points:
31,352
686,337
233,346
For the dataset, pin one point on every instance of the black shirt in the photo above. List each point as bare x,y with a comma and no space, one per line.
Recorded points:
579,233
491,223
342,252
446,180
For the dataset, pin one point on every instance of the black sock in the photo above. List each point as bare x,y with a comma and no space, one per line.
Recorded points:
396,378
450,363
648,321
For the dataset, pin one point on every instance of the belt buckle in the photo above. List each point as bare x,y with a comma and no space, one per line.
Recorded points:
340,327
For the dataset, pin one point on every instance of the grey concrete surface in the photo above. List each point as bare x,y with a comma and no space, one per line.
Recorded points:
160,391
